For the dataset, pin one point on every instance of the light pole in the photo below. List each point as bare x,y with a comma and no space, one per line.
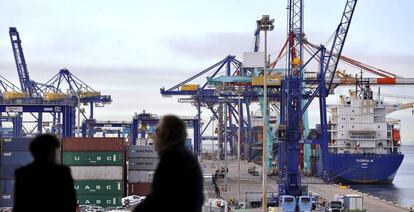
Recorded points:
79,111
212,146
265,24
238,148
225,143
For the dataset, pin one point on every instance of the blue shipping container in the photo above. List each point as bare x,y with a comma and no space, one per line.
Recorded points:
6,200
7,186
17,158
7,171
16,144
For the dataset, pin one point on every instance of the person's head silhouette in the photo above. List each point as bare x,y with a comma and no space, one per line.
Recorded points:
171,131
43,147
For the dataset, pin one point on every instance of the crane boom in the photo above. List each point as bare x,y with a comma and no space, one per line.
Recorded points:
398,107
25,83
338,42
256,39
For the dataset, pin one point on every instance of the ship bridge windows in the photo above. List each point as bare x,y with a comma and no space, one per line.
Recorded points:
362,135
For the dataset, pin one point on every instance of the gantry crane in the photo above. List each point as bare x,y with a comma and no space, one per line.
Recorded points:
294,92
41,97
216,101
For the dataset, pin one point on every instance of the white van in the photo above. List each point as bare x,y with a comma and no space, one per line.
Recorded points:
131,200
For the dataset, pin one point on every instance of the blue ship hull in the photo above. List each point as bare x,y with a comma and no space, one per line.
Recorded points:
363,168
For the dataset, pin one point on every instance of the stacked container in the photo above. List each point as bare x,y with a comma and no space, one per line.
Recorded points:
98,169
143,161
14,154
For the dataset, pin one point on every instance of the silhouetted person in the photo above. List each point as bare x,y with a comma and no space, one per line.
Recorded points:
44,185
178,182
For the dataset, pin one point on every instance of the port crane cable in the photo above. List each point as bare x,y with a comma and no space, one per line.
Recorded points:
357,64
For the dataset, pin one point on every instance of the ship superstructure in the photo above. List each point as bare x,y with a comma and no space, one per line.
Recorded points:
364,145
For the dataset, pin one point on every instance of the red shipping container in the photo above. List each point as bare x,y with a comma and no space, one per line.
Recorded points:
140,189
93,144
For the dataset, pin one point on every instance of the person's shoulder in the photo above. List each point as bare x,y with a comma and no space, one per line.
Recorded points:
63,168
22,170
179,152
180,155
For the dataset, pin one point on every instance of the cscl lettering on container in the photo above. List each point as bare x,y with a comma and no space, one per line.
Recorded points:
99,187
100,200
141,151
143,163
93,158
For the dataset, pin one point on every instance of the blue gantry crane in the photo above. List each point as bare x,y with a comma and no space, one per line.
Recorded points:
30,100
227,81
65,80
296,88
38,99
213,100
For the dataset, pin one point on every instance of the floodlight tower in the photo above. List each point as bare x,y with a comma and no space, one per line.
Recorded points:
265,24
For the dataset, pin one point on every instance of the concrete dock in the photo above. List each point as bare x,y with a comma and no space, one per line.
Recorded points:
249,183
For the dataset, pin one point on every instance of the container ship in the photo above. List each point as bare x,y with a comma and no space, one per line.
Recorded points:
364,146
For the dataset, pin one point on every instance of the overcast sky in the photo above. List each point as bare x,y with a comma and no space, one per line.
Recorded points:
130,49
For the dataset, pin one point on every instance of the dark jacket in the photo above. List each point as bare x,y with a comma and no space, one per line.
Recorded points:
177,184
44,186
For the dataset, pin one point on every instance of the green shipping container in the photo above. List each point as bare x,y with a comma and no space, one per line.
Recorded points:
100,200
99,187
93,158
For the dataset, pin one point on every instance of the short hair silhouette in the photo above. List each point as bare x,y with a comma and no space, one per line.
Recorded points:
174,129
43,146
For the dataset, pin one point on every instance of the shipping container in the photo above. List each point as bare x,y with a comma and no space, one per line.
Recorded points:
140,176
15,144
97,172
140,189
6,200
100,200
142,151
143,164
16,157
7,171
92,144
189,87
272,80
6,186
99,187
93,158
353,202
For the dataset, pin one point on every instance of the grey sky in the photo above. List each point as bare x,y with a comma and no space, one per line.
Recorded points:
130,49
